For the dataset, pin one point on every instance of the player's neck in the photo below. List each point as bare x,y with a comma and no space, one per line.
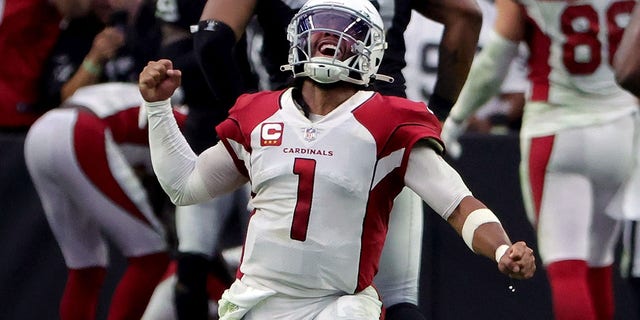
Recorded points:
323,99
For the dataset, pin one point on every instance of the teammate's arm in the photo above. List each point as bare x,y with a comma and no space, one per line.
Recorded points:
492,63
488,71
72,8
223,22
234,13
462,20
627,59
104,47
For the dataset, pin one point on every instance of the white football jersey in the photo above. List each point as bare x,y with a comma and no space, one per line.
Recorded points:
322,190
107,99
573,44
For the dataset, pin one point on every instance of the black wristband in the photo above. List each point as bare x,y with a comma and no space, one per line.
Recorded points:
440,106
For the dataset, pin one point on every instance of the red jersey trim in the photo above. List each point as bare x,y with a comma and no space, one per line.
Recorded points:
539,68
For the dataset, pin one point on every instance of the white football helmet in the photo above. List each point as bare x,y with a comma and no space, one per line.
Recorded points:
334,40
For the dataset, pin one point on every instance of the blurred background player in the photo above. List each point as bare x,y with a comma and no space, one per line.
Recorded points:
86,159
268,278
501,114
224,22
110,43
627,71
576,140
627,61
28,32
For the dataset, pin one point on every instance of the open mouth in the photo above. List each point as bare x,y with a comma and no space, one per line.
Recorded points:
329,49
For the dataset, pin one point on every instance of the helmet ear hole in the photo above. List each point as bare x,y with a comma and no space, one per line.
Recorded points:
356,54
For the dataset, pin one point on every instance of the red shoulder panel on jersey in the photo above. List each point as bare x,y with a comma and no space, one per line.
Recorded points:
397,122
248,111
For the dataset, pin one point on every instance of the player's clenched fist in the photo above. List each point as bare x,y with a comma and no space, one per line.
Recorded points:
518,261
158,80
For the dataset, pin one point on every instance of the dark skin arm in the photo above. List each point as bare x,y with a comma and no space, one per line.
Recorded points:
72,8
518,262
235,13
627,59
462,20
105,46
215,52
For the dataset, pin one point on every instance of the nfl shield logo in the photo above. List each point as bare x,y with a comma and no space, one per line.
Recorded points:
309,134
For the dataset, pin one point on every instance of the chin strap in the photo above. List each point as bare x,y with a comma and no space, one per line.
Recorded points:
382,77
286,67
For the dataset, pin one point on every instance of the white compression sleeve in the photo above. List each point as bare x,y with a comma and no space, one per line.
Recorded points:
218,171
173,160
434,180
487,73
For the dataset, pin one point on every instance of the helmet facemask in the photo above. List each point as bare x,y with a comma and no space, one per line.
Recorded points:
331,43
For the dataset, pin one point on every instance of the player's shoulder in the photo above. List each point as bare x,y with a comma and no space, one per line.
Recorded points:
252,107
247,100
401,102
397,122
386,114
402,109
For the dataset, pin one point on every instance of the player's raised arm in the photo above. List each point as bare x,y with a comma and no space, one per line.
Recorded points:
489,69
179,170
158,80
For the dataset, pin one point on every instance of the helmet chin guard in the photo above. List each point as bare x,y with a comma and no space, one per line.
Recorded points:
336,40
323,70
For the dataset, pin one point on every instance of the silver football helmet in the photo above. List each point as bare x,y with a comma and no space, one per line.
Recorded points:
336,40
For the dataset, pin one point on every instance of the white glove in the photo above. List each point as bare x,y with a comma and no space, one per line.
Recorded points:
451,131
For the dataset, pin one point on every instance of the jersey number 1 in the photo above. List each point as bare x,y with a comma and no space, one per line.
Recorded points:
305,169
